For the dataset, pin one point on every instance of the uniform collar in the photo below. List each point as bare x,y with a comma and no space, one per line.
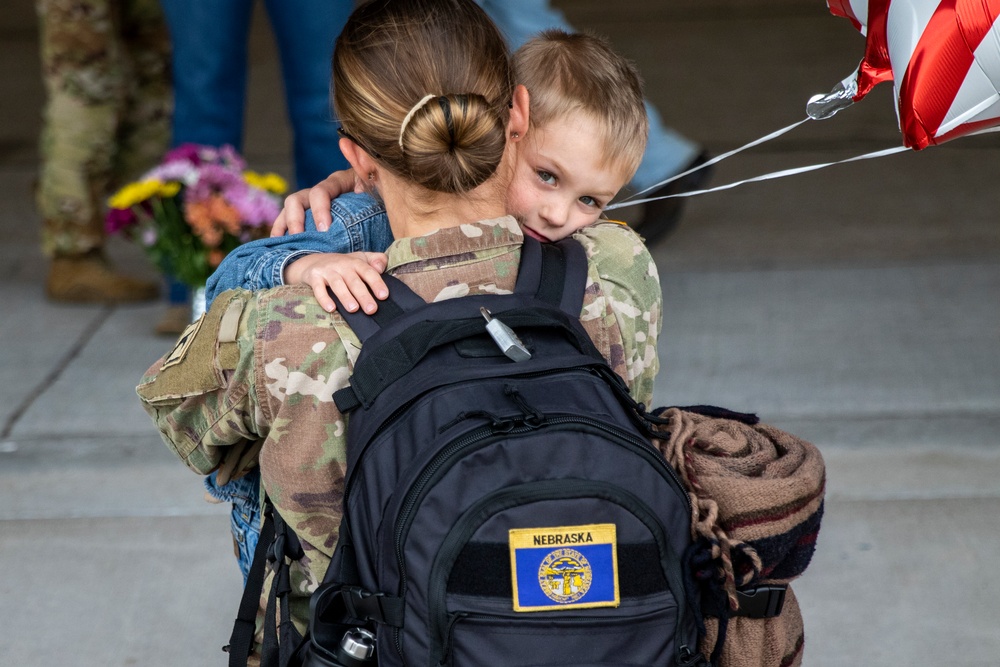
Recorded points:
454,244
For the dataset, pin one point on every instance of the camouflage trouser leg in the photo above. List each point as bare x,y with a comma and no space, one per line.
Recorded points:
105,64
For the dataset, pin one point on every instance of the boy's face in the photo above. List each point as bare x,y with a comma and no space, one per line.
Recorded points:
561,180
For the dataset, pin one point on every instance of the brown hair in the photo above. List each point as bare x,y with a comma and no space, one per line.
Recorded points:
391,55
567,72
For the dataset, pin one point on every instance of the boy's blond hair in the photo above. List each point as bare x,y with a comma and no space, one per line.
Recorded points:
567,72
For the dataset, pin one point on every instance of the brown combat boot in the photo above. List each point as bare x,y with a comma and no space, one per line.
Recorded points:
89,278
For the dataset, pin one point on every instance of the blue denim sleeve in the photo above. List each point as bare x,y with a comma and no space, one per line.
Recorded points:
359,223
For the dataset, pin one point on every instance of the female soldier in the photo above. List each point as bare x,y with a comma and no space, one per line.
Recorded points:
432,119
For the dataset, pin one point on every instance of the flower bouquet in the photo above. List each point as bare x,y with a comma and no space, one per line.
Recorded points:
194,208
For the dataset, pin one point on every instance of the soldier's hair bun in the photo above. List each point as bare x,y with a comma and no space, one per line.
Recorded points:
423,87
452,143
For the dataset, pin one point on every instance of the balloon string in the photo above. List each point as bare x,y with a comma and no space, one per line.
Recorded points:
707,163
767,177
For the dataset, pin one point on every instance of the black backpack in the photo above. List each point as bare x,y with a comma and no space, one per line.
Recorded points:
504,505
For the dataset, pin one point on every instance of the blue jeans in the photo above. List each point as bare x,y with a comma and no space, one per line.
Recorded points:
667,152
245,518
210,74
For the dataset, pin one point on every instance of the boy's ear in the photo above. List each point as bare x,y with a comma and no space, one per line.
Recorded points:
520,103
362,163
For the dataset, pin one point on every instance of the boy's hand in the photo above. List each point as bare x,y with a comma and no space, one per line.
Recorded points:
347,276
292,218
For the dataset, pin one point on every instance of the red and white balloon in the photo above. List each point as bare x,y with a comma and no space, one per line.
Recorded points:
943,57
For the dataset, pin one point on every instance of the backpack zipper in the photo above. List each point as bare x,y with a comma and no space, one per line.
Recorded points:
388,421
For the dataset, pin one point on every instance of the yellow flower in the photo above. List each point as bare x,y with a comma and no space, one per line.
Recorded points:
169,189
270,182
140,191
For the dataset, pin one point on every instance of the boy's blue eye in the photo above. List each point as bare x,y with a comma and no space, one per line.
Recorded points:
546,177
589,201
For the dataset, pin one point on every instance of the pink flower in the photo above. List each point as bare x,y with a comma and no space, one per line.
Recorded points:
118,219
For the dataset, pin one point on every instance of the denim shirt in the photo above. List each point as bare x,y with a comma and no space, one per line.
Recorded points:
359,223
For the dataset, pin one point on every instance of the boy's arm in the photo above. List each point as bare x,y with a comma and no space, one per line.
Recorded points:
359,224
351,278
292,219
633,301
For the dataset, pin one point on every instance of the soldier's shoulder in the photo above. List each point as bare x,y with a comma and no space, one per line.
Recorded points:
616,252
289,317
293,303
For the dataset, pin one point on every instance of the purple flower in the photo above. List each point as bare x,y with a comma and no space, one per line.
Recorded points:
229,157
184,153
255,206
183,172
213,178
149,237
118,219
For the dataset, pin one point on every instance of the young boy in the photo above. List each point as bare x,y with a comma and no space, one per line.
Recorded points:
587,135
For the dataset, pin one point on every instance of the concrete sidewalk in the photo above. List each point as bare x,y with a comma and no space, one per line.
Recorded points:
856,307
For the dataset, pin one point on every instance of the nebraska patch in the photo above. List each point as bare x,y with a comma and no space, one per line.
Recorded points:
564,567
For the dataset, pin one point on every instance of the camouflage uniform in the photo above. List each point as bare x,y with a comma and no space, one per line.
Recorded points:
254,378
106,67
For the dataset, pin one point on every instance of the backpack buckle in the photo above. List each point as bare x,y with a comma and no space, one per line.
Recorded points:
764,601
367,606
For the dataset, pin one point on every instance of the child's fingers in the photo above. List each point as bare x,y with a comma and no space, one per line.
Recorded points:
373,278
324,192
360,292
280,226
377,260
335,286
292,218
343,291
319,202
322,294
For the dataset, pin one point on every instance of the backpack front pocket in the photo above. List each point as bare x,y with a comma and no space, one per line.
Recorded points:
553,638
644,620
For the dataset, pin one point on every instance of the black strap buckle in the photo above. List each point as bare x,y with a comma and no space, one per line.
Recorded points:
688,658
367,606
764,601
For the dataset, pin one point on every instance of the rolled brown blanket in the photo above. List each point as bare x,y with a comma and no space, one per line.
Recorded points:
757,500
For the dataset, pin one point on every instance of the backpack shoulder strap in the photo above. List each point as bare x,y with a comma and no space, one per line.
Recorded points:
400,301
276,541
553,272
241,641
564,275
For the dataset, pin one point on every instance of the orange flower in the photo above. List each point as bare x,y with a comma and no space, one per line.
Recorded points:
199,217
224,214
215,257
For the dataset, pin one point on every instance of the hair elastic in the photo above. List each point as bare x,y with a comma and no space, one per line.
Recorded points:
409,116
